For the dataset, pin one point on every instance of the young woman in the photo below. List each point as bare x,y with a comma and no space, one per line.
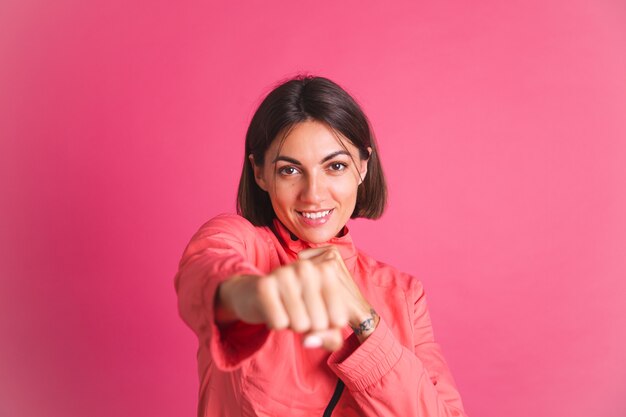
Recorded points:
292,319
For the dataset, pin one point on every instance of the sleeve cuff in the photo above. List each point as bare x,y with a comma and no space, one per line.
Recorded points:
231,344
360,366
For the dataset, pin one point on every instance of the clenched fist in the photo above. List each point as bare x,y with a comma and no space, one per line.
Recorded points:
315,295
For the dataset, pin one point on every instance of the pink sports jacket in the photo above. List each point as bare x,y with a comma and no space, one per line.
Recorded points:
247,370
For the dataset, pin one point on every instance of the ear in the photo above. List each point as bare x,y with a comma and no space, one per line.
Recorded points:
363,167
258,173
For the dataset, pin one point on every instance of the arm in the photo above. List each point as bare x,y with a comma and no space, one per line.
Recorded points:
386,378
224,247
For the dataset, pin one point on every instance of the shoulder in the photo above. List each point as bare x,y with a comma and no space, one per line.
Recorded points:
230,224
230,221
232,230
385,275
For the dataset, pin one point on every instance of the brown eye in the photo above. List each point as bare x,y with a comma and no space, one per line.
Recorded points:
337,166
287,170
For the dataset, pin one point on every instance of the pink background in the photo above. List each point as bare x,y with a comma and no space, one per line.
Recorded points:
502,128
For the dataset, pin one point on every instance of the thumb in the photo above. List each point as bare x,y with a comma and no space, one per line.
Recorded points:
312,252
330,339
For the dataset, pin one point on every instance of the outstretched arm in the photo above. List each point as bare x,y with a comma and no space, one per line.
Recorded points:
314,295
224,247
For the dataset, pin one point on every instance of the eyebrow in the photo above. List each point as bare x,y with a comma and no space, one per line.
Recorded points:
296,162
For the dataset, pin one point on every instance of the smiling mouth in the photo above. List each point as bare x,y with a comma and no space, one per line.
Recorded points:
315,215
315,218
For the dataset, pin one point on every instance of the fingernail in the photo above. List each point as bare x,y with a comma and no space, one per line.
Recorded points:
312,342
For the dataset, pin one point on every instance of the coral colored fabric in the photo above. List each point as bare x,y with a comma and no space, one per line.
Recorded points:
248,370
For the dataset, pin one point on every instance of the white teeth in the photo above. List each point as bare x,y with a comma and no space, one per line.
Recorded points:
315,215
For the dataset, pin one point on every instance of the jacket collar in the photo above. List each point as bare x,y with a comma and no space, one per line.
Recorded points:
343,242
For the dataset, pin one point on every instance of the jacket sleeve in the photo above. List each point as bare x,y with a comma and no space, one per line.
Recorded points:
224,247
388,379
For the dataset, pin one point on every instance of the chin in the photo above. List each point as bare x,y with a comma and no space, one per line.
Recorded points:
315,240
318,237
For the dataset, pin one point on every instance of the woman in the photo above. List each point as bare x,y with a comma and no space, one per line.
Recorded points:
292,319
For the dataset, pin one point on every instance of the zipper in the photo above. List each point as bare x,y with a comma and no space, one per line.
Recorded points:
335,399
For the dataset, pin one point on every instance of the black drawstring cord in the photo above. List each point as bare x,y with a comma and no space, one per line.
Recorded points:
335,398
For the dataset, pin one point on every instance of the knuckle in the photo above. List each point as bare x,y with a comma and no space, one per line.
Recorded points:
286,280
331,259
339,320
303,268
333,252
309,275
300,326
282,273
327,270
277,323
320,324
339,315
264,285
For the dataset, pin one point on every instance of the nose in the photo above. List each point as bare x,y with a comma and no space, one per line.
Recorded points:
313,189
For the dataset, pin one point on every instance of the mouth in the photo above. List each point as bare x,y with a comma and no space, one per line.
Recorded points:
315,218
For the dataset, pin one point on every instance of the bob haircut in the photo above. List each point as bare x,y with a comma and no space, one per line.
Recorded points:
297,100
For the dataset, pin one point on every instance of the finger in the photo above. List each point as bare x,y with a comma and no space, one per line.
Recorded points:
311,295
271,306
330,339
291,296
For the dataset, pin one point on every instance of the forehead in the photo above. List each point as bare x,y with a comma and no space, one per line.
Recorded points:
310,139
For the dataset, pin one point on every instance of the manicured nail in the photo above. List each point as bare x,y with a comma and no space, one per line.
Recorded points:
312,342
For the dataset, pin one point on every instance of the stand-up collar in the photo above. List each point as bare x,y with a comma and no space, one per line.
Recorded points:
344,243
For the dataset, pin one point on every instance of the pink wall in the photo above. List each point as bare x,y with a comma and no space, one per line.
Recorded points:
502,128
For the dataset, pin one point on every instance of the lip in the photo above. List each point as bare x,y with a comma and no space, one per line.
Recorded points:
315,222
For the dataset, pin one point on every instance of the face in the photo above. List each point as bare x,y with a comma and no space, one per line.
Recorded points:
312,180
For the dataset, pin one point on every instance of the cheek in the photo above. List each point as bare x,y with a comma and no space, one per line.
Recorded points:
345,190
282,195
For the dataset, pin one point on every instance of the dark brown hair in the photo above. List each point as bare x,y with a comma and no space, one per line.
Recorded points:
298,100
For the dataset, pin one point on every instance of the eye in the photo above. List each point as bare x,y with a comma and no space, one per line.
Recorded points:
337,166
287,170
